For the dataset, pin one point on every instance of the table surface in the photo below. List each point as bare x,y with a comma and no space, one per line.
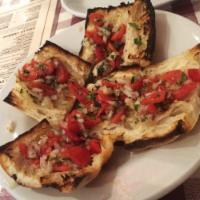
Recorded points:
187,8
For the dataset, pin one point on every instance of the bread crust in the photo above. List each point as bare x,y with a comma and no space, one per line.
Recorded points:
25,175
22,99
140,57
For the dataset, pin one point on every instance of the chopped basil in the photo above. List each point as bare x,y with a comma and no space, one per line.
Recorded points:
136,107
26,72
133,79
78,105
183,78
137,41
134,25
101,69
112,57
40,66
91,96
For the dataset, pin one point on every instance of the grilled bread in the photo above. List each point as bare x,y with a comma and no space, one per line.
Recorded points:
153,106
43,157
127,30
41,88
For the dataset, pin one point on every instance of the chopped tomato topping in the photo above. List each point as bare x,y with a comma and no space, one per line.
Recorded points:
96,18
60,167
62,75
28,73
90,123
79,155
151,109
111,47
46,89
172,76
113,85
117,36
23,149
118,117
45,149
115,63
73,126
184,91
103,109
137,84
49,67
97,39
35,162
99,54
102,97
94,146
194,75
53,139
154,97
81,93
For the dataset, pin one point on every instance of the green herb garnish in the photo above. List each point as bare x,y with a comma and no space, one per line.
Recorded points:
136,107
137,41
40,66
101,69
26,72
91,96
134,25
133,79
183,78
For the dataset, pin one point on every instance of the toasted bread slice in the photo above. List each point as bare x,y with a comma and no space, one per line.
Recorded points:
26,172
179,117
48,108
136,45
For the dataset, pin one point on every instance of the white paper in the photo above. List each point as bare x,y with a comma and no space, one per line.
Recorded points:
22,31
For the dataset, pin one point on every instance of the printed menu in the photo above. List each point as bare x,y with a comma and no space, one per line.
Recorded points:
23,28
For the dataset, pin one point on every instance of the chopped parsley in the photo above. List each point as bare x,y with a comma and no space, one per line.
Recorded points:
134,25
137,41
78,105
133,79
183,78
101,69
91,96
26,72
136,107
40,66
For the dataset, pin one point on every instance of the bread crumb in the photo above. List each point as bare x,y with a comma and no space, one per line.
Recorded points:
10,126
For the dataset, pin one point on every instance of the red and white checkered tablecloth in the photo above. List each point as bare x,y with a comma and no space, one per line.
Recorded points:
190,190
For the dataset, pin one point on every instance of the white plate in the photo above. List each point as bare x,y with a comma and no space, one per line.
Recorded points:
128,175
79,7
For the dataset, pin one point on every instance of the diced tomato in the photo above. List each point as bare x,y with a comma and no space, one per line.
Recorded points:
35,162
73,128
49,67
97,39
23,149
113,85
94,146
137,84
45,149
27,74
151,109
46,89
96,18
184,91
61,167
117,36
81,93
194,74
118,117
53,139
99,54
154,97
115,63
103,109
79,155
102,97
111,47
172,76
90,123
62,75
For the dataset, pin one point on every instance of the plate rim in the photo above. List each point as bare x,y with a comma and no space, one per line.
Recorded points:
163,191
